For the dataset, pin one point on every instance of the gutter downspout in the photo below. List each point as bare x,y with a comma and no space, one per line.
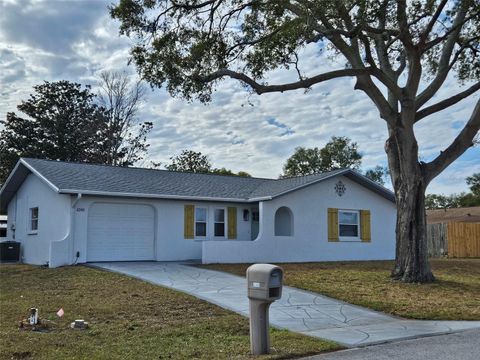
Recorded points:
14,223
79,196
72,228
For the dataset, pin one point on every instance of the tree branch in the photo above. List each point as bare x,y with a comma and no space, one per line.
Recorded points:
380,47
364,80
366,84
193,6
433,20
462,142
443,65
262,89
427,46
411,51
447,102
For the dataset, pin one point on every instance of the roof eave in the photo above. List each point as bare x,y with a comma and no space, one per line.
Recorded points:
382,191
9,178
9,189
152,196
310,183
43,178
261,198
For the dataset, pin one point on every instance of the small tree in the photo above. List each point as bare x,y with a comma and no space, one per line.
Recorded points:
62,122
399,52
340,152
464,199
224,171
243,174
434,201
190,161
468,199
474,183
125,137
304,161
377,174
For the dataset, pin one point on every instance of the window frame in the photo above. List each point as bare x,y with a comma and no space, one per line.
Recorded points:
217,222
255,216
246,214
33,219
347,238
195,222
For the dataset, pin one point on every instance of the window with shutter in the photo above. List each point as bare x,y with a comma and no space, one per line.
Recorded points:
332,224
232,223
365,225
188,222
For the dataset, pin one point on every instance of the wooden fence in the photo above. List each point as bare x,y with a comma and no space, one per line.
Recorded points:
455,239
463,239
437,240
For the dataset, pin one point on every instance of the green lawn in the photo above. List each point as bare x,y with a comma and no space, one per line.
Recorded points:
454,296
129,319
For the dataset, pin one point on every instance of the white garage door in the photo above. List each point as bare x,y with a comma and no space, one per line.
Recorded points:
120,232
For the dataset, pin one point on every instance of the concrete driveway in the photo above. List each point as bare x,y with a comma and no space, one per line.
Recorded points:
298,310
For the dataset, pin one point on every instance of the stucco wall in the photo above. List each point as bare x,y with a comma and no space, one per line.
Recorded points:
170,244
310,241
53,219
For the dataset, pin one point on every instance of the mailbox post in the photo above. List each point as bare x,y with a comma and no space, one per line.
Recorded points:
264,287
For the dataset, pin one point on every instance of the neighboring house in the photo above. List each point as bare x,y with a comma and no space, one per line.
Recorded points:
3,227
466,214
66,213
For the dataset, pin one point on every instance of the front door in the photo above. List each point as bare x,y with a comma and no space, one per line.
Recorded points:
255,223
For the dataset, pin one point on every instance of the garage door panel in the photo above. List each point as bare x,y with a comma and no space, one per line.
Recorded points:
120,232
121,209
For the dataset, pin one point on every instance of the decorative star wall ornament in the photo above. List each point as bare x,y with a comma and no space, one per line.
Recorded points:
340,188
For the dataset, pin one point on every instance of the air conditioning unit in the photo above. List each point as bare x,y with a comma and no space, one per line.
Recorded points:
9,251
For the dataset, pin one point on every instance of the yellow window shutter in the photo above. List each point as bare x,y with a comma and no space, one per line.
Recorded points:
188,222
332,224
232,222
365,233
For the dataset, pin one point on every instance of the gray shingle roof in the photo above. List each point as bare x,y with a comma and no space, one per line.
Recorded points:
109,180
113,179
276,187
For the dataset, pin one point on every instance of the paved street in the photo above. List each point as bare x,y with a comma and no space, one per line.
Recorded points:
463,345
299,311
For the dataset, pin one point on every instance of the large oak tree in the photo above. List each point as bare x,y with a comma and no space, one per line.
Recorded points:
399,52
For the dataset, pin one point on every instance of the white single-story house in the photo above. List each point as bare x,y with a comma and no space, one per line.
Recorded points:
67,213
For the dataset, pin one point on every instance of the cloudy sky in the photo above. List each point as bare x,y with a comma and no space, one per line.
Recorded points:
75,40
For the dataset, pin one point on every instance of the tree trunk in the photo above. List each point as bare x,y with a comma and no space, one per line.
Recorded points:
411,258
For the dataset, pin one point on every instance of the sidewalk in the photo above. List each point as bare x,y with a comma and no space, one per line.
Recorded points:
298,310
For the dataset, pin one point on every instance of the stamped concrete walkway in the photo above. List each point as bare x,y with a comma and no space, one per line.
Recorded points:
298,310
